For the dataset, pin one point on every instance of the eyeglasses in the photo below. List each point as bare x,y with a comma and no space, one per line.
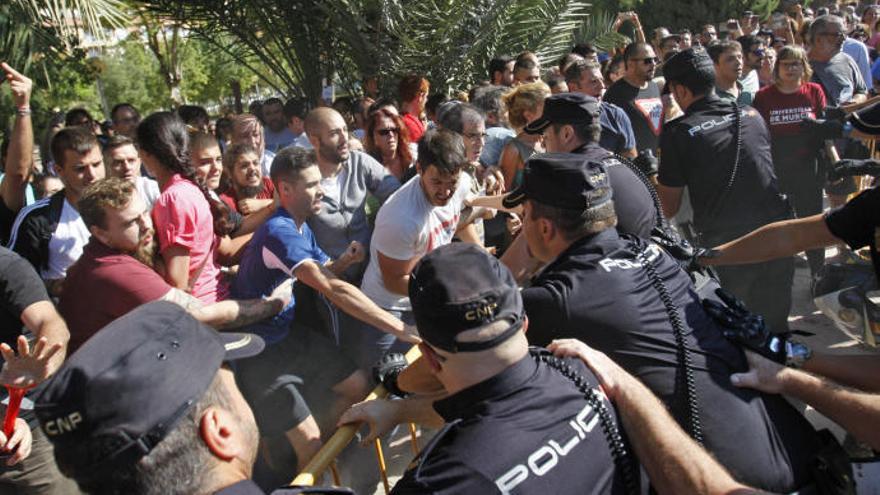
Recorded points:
759,52
473,136
647,60
387,132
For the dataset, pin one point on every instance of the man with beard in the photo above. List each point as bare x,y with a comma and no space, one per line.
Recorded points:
116,268
420,217
250,191
277,134
347,178
639,96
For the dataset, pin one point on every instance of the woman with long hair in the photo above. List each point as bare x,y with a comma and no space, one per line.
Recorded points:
387,140
186,228
784,105
525,103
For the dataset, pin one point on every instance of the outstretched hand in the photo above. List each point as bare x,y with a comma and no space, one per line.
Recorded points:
29,367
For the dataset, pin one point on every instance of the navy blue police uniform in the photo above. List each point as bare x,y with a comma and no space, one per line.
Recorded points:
529,428
721,153
600,291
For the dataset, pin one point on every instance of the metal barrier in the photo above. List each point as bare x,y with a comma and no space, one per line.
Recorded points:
325,458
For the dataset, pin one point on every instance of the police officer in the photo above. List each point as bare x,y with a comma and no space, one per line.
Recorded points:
514,423
721,153
628,298
148,399
571,124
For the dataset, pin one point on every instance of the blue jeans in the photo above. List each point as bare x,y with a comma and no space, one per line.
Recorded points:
365,344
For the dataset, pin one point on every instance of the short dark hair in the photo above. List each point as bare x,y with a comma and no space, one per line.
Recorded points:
177,465
631,49
749,41
78,139
526,63
715,50
576,69
75,114
587,133
112,192
120,106
584,49
289,162
273,101
117,141
443,149
575,224
296,107
190,113
498,64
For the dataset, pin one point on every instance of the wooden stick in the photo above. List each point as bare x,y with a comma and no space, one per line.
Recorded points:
380,458
341,438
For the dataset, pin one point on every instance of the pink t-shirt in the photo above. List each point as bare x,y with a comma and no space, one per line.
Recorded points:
182,217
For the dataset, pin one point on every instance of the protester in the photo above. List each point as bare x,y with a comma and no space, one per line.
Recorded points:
249,191
524,104
277,133
639,96
247,129
413,91
784,106
185,226
501,71
122,161
387,140
18,159
125,118
50,233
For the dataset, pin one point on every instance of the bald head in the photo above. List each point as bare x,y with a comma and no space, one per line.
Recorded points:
321,118
328,133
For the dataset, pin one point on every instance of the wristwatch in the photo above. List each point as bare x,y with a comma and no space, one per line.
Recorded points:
796,354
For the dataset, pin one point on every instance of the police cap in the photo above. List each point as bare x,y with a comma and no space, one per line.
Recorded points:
565,108
867,120
459,287
564,180
134,380
690,64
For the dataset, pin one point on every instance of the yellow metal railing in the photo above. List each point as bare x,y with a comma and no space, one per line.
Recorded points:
325,458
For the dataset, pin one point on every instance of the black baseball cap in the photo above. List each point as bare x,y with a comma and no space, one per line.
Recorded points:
459,287
564,180
565,108
686,64
867,119
134,380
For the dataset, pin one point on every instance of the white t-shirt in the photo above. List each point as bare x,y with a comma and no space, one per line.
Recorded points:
67,243
409,226
266,162
148,189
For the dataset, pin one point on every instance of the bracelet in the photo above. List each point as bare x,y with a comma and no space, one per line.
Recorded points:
22,111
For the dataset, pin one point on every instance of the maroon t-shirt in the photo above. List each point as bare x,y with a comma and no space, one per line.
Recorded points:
784,113
103,285
231,198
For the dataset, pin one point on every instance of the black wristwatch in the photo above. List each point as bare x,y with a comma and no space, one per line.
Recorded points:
796,354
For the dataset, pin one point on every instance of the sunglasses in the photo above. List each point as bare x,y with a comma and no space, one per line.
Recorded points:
388,132
647,60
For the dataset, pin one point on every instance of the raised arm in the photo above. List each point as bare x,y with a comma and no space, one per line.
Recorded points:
19,158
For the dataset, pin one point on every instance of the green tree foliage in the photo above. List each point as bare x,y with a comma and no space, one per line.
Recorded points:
131,74
296,45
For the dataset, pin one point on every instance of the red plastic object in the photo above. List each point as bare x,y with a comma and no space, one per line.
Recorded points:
15,396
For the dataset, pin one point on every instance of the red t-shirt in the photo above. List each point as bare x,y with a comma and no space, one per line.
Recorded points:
415,127
230,197
103,285
784,113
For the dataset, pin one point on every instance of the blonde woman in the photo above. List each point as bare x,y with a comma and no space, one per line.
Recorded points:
784,105
525,103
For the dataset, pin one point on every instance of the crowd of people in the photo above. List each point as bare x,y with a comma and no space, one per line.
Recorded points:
194,305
